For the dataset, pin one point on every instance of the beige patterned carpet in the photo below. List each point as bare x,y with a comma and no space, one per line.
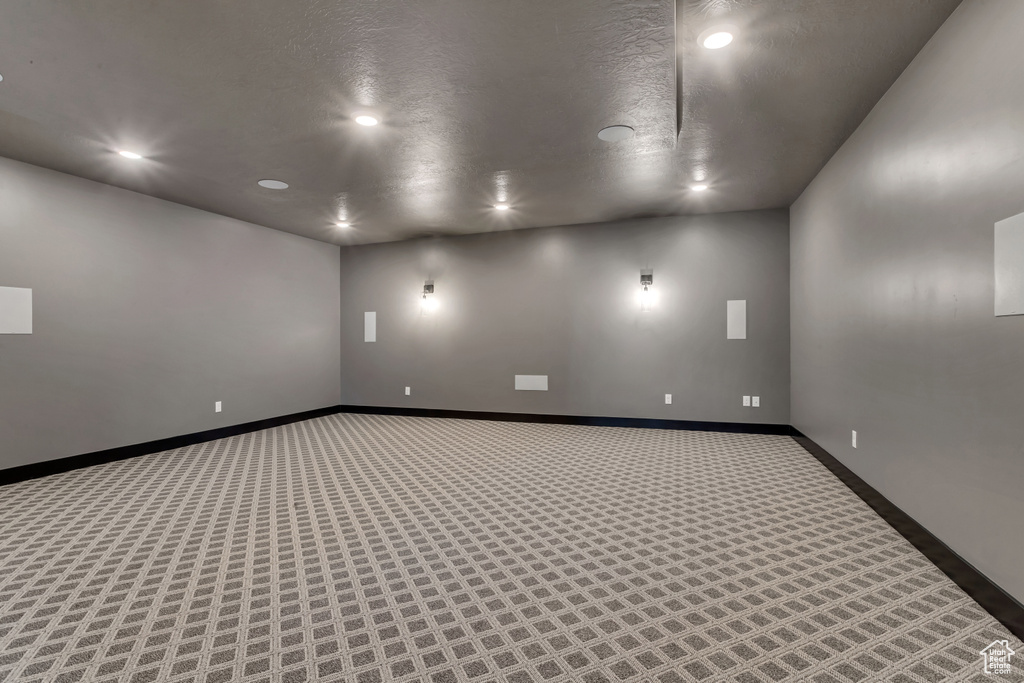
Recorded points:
366,548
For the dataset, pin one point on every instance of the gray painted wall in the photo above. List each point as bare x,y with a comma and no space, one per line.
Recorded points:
892,293
146,312
563,302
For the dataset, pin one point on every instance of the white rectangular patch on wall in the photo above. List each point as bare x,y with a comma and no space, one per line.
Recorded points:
15,310
531,382
370,326
1009,260
736,319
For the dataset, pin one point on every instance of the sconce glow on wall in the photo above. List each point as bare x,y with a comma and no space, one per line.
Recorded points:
428,302
646,291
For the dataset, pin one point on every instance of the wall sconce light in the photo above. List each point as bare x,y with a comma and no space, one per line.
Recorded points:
428,302
646,293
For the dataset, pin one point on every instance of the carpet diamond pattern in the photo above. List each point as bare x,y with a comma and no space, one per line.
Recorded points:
369,548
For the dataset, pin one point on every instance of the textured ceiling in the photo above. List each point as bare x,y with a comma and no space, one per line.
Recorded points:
481,102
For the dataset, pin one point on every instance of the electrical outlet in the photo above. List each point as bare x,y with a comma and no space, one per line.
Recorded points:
668,399
746,401
216,407
756,401
408,391
854,439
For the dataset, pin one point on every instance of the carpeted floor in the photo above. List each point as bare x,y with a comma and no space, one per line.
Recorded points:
366,548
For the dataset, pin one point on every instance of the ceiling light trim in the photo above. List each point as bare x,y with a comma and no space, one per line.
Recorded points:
717,37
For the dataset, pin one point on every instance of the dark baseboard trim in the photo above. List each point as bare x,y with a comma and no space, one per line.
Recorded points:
41,469
991,597
639,422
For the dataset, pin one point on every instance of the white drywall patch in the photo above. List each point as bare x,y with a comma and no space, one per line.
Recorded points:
15,310
736,319
370,326
531,382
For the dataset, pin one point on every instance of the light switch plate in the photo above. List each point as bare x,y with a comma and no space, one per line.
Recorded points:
408,391
746,401
854,439
756,401
216,407
668,399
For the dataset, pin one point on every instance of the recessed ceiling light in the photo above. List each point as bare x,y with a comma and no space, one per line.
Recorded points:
343,224
502,207
698,188
717,37
718,40
615,133
367,120
273,184
129,155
